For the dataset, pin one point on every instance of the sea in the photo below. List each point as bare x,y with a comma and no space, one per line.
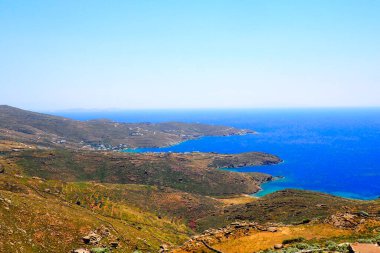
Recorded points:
330,150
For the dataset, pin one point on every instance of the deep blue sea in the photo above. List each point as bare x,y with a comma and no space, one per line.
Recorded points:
336,151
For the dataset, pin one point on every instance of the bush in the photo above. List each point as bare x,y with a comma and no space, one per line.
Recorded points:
293,240
332,246
290,250
302,246
269,251
99,250
343,248
368,240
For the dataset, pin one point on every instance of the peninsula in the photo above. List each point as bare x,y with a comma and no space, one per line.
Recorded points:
102,134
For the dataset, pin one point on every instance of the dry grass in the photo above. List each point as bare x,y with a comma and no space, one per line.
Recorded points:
35,220
237,200
264,240
9,145
255,240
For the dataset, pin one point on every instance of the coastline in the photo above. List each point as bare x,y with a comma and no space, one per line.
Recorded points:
249,132
269,186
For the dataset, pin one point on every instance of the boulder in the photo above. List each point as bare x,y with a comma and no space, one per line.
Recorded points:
363,214
364,248
92,238
80,251
272,229
163,248
278,246
343,220
114,244
1,169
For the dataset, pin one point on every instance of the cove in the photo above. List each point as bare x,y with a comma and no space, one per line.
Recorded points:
336,151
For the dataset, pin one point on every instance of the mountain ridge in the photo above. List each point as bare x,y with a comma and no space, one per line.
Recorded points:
49,130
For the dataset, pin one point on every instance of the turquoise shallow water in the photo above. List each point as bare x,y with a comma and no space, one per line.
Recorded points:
335,151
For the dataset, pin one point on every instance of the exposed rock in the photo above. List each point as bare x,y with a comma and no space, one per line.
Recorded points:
114,244
278,246
363,214
80,251
212,236
343,220
92,238
364,248
1,169
272,229
103,231
163,248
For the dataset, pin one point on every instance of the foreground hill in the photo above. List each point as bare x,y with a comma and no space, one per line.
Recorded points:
195,172
53,216
293,220
39,215
48,130
51,199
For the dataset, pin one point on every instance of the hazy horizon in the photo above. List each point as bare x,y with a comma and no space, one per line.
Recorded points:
208,109
215,54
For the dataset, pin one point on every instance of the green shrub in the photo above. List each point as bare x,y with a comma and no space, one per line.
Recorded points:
367,240
332,246
302,246
290,250
99,250
343,248
293,240
269,251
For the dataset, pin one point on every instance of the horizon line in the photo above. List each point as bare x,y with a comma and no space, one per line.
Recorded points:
211,109
67,110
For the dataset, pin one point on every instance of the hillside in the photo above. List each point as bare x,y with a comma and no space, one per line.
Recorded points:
291,207
294,219
47,130
39,215
53,216
52,200
193,172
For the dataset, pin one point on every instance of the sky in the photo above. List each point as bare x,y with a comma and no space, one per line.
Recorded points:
155,54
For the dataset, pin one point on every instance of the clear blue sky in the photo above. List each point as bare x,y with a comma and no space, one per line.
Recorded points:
62,54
